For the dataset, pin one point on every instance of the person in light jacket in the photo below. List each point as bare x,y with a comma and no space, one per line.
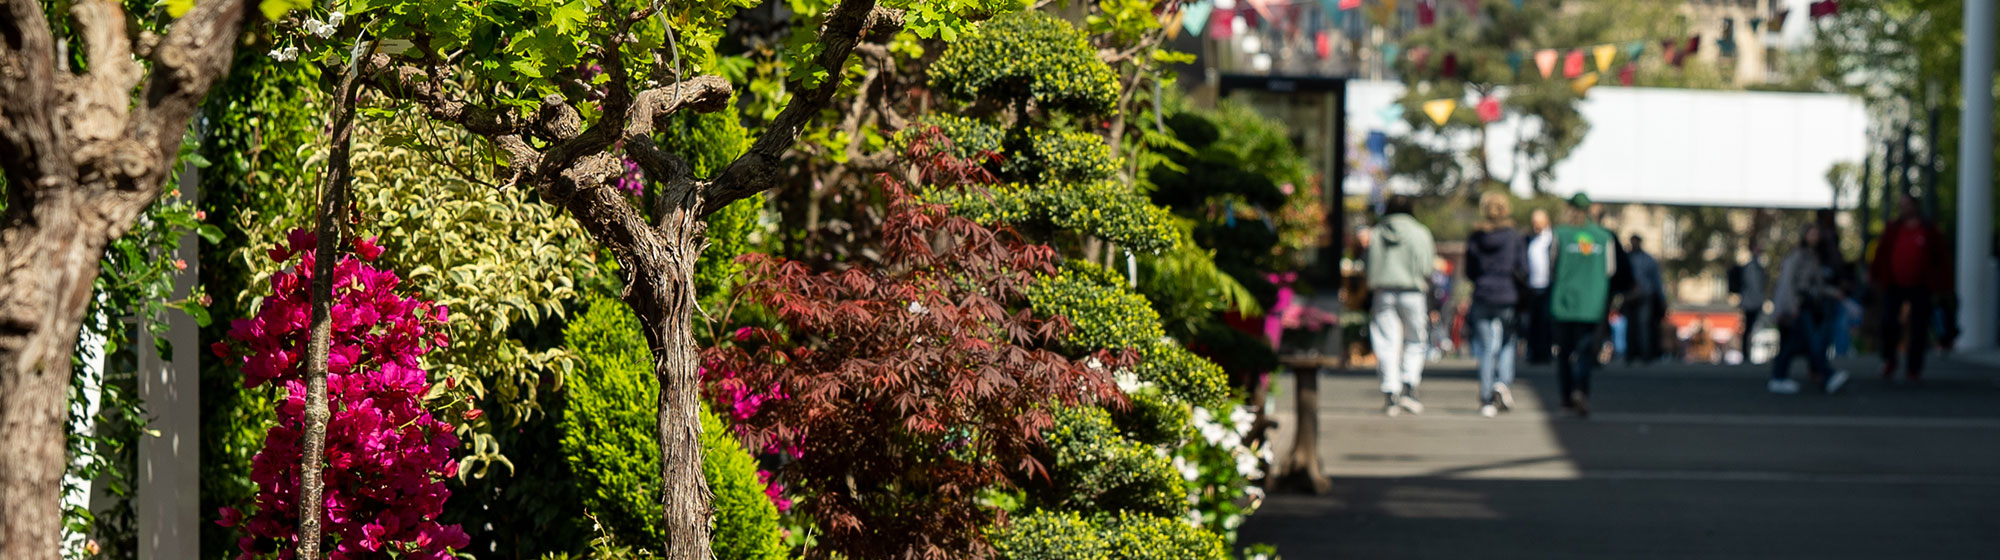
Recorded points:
1401,257
1804,298
1494,262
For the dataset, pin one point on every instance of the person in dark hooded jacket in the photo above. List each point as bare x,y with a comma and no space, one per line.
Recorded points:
1494,262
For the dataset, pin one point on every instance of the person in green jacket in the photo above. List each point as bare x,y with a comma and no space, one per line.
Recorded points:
1584,263
1401,256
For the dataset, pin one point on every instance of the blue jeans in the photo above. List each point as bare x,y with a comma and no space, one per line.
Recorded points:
1802,336
1493,344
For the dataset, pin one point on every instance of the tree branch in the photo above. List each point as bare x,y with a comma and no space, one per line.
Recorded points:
414,84
757,170
196,53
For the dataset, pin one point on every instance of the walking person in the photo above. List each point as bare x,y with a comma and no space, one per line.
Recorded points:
1804,301
1643,305
1912,267
1750,296
1400,260
1494,256
1584,262
1537,326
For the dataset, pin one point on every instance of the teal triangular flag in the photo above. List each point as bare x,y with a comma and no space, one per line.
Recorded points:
1514,62
1389,52
1634,49
1392,113
1194,17
1517,3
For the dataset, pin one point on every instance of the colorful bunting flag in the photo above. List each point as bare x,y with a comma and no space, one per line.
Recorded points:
1626,74
1545,59
1573,64
1694,45
1489,109
1755,23
1196,16
1392,113
1823,8
1778,20
1605,54
1349,4
1450,66
1426,13
1389,53
1514,63
1519,3
1634,49
1323,45
1582,85
1440,109
1171,23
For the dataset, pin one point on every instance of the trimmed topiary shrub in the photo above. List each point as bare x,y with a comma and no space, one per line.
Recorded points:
1045,535
1027,55
610,440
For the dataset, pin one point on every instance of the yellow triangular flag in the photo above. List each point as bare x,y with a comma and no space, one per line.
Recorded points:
1173,23
1605,56
1440,109
1582,85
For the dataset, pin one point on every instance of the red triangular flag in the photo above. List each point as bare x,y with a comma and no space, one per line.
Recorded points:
1573,64
1450,66
1626,74
1349,4
1426,14
1489,109
1694,44
1322,44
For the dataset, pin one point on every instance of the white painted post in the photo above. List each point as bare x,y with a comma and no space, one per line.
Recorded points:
1976,312
169,481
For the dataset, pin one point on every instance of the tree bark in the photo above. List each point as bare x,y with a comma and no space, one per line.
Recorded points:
665,303
319,339
1303,471
83,157
50,269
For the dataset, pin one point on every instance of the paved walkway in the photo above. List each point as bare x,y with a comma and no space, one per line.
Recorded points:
1677,462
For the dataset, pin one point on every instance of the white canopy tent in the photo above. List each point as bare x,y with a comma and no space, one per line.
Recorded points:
1665,146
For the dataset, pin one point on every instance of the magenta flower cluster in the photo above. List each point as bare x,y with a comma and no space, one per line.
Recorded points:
386,456
633,181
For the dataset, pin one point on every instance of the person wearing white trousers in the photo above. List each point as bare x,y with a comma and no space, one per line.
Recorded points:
1400,259
1397,329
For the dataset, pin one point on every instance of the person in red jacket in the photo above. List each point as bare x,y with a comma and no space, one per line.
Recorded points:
1912,267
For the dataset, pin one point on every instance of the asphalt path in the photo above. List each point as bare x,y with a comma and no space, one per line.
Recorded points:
1676,462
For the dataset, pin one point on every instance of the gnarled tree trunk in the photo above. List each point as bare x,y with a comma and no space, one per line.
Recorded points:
82,157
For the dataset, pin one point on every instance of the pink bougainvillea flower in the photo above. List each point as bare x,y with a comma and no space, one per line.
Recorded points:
389,456
367,249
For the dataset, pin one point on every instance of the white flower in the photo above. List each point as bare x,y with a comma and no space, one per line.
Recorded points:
288,54
1201,416
1128,381
1093,363
1232,522
1246,465
318,29
1214,433
335,18
1188,470
918,308
1260,557
1242,417
1255,492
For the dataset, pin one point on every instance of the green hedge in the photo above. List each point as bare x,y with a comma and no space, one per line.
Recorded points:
1070,536
610,439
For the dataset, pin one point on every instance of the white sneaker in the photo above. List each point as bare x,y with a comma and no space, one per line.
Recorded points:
1786,386
1409,403
1488,411
1503,396
1836,381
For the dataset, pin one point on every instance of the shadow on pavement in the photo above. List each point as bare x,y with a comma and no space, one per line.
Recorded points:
1677,462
